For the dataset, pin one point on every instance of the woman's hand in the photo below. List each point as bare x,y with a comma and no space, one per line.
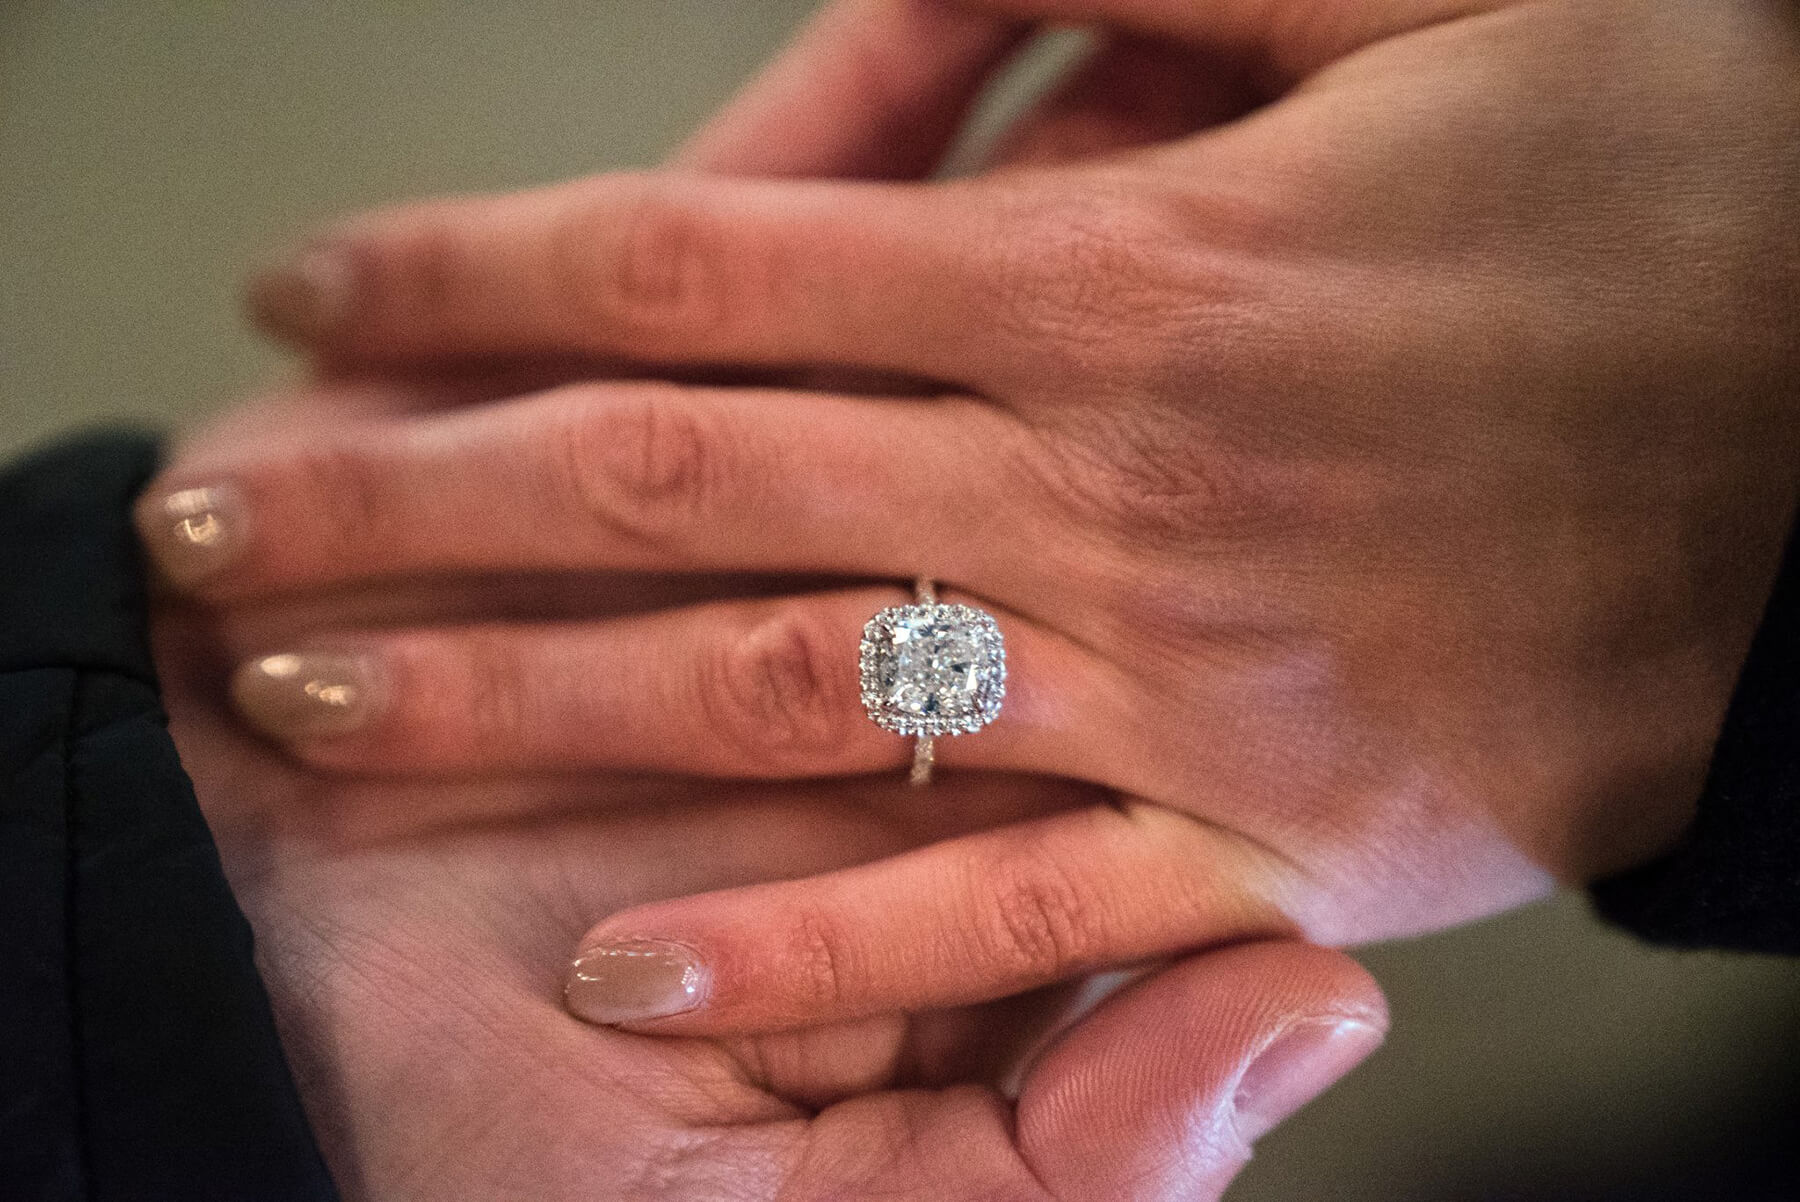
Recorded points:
1377,491
408,934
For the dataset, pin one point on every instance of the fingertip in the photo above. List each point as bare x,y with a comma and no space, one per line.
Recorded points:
615,982
1300,1062
1212,1053
299,696
306,299
191,534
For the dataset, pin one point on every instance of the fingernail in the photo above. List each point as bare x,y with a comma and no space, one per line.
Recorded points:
633,980
306,695
194,532
306,299
1303,1062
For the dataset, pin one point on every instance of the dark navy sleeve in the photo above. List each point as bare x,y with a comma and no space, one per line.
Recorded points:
138,1057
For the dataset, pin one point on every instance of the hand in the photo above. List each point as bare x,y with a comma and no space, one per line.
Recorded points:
1377,491
407,935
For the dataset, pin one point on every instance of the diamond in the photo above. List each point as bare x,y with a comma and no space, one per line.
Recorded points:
932,669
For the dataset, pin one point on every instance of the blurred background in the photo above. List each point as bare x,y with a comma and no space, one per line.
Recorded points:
151,153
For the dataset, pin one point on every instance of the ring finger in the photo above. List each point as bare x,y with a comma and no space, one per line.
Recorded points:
744,688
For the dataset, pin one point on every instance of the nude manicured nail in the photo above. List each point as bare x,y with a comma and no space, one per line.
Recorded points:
307,695
1303,1062
633,980
305,299
192,533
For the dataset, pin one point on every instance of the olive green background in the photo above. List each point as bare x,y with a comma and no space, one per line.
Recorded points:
151,152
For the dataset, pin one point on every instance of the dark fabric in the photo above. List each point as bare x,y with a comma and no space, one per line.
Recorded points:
138,1058
1734,882
71,594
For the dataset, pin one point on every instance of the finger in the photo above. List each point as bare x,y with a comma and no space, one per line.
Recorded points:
973,1045
1160,1093
1156,1097
964,921
1281,42
651,477
765,688
668,268
346,406
296,619
1131,91
870,89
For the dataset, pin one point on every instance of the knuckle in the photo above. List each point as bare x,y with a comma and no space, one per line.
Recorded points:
493,695
1038,925
344,494
1150,480
646,467
781,692
658,269
819,954
420,274
1082,265
1119,277
410,269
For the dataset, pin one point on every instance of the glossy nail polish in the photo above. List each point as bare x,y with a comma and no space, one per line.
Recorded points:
632,980
307,695
1301,1063
192,533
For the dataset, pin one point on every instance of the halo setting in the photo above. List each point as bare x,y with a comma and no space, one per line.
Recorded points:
931,669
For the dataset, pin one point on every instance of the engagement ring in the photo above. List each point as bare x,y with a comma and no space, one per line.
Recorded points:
930,669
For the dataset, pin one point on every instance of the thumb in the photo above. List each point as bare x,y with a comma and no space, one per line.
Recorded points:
1161,1091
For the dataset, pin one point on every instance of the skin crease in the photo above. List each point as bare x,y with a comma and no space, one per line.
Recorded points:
1378,490
405,931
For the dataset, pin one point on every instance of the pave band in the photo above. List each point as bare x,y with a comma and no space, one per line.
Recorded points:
924,759
930,669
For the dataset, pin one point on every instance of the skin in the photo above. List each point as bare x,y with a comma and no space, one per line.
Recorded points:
409,935
408,931
1376,458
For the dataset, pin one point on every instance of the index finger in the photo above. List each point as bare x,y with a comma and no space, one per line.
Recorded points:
923,281
968,920
870,89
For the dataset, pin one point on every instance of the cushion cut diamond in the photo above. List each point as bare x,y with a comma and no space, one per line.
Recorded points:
932,669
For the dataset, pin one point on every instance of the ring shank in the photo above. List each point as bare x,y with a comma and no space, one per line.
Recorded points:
924,759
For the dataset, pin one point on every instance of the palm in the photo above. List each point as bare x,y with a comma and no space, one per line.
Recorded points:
408,974
413,956
412,939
